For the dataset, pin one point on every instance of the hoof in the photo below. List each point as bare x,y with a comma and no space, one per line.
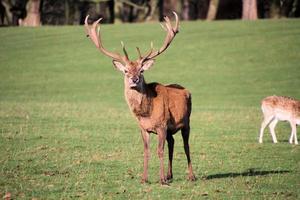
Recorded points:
192,178
169,178
164,182
144,181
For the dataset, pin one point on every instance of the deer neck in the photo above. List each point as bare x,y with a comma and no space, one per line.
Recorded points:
137,99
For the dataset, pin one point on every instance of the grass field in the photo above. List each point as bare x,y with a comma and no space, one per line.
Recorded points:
66,131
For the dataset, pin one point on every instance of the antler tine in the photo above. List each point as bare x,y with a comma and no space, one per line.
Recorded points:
163,26
143,58
176,23
96,39
124,50
86,26
139,52
91,32
168,23
171,32
151,50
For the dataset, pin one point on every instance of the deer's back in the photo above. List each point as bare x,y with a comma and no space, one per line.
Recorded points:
283,108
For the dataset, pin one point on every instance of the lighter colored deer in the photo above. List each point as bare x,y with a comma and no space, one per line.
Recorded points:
278,108
159,109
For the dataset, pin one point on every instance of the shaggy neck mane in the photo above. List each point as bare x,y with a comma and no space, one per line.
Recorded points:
138,100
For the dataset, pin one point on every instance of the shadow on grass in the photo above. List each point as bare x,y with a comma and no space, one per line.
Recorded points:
284,141
248,172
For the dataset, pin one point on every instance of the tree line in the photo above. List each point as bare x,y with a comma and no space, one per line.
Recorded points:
72,12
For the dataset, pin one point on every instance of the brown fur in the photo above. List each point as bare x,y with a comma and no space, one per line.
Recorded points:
162,110
160,106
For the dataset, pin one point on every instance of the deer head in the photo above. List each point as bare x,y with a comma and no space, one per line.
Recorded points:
132,70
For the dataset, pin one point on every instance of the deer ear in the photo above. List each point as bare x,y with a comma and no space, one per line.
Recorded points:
147,64
119,66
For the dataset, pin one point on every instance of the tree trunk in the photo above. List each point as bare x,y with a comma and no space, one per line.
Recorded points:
111,5
33,14
152,6
161,9
185,9
229,9
198,9
212,10
249,9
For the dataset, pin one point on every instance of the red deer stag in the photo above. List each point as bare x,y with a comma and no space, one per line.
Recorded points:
159,109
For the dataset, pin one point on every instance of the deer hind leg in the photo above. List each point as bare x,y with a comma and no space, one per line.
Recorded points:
146,140
272,126
170,141
293,134
185,132
265,122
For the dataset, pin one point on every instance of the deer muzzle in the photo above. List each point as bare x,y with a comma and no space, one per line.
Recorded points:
134,81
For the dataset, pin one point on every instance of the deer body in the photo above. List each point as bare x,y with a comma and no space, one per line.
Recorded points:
157,105
159,109
162,110
279,108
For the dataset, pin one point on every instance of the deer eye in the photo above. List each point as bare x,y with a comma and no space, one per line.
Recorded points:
141,71
125,71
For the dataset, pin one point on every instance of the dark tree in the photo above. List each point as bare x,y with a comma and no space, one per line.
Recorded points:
278,8
229,9
263,9
198,9
2,13
53,12
133,9
166,7
185,9
296,8
18,11
111,5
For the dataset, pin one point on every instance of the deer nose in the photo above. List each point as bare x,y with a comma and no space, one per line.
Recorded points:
135,79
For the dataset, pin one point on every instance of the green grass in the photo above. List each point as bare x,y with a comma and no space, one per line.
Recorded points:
66,131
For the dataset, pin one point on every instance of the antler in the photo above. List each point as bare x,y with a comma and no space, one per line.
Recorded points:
96,39
171,32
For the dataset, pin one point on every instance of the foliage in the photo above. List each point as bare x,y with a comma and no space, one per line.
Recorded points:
66,131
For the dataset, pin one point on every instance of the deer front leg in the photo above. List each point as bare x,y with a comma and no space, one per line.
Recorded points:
162,134
146,140
265,122
272,126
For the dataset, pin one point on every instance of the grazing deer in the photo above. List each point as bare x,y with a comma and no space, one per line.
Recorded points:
159,109
278,108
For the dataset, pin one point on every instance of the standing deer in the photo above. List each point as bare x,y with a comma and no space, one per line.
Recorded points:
278,108
159,109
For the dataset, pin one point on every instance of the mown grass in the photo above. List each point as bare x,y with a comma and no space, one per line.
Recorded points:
66,131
